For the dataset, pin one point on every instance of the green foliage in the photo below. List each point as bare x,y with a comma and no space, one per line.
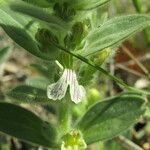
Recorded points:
87,4
16,26
37,82
29,94
10,22
64,11
56,32
4,54
108,118
47,40
114,31
38,13
40,3
25,125
46,69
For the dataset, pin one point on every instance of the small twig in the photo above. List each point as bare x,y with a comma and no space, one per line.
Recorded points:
136,61
141,59
130,70
127,144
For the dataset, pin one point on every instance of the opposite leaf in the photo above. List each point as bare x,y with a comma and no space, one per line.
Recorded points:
114,31
108,118
25,125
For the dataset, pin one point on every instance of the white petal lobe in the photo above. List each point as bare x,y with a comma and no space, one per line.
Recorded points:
58,90
77,91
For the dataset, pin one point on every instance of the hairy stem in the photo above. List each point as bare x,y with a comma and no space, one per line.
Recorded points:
64,119
114,78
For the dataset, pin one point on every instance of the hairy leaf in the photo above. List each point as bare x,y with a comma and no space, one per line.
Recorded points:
40,3
114,31
38,82
87,4
108,118
38,13
15,26
29,94
25,125
22,30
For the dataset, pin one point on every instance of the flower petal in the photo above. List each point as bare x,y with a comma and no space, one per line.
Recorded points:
77,91
58,90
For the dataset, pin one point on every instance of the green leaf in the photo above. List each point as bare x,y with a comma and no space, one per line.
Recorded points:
22,30
25,125
109,118
29,94
4,54
40,3
87,4
38,13
114,31
15,26
42,69
38,82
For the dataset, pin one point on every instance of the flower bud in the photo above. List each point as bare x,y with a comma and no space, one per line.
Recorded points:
79,31
64,11
73,141
46,37
102,56
47,41
93,96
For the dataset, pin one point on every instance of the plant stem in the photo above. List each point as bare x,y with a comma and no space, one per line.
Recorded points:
90,63
130,70
64,119
138,6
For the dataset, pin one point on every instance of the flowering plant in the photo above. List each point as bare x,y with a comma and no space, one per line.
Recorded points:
71,39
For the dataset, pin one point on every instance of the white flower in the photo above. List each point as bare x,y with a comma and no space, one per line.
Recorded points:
57,91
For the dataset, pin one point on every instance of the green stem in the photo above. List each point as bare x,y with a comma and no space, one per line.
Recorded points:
64,119
138,6
90,63
117,80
